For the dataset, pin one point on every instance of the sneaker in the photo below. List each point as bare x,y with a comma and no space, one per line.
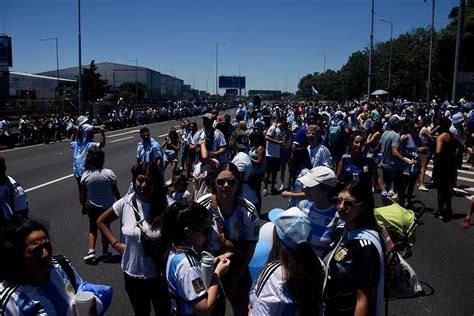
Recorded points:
90,256
466,223
423,188
391,193
264,192
282,187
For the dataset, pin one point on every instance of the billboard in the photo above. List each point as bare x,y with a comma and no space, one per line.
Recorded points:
5,51
236,82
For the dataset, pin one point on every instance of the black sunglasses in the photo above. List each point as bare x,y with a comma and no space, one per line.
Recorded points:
346,202
38,250
230,182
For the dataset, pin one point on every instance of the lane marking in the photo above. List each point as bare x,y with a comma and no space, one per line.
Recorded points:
120,134
120,139
430,173
48,183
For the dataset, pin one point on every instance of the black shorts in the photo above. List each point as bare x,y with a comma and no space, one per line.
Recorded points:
272,164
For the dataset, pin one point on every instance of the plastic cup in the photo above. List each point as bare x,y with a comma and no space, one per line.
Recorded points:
85,304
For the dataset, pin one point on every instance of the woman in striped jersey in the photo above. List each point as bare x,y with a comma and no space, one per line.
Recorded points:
291,281
185,230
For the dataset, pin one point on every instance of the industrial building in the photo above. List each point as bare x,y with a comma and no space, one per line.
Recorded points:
159,86
32,87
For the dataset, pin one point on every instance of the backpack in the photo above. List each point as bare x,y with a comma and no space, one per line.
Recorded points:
335,133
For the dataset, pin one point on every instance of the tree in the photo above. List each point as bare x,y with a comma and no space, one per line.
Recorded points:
93,86
127,90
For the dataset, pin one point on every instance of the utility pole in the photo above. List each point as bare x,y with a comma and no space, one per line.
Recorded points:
371,49
428,82
80,61
457,58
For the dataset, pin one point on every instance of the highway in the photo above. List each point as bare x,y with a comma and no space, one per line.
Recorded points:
442,256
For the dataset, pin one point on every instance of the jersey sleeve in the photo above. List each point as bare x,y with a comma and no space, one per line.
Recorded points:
366,265
191,285
252,224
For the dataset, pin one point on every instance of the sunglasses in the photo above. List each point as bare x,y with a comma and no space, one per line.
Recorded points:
38,251
230,182
346,202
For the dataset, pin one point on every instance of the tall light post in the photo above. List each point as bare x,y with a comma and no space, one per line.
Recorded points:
57,63
217,67
324,55
457,57
136,79
371,49
390,58
80,57
430,59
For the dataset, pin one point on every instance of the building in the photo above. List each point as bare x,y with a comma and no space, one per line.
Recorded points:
33,87
159,86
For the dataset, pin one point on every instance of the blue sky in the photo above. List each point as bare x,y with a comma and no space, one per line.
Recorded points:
270,42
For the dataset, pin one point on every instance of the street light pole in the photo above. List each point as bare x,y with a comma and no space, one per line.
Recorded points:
217,65
80,61
79,47
371,49
57,63
136,79
390,58
324,55
428,82
457,58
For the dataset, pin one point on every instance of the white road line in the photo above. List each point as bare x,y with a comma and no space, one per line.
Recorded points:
120,134
120,139
18,148
462,171
48,183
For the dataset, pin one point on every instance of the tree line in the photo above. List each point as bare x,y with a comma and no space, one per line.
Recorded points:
409,72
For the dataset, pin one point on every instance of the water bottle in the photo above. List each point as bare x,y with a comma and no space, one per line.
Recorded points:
207,267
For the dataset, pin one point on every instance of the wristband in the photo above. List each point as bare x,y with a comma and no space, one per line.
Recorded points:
113,245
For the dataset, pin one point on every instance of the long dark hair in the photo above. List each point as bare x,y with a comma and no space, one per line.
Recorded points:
159,202
362,193
179,216
302,273
13,236
228,166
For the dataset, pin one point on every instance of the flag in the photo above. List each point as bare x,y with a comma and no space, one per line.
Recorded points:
314,92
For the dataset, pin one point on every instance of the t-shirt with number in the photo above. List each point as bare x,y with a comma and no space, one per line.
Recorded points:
185,281
242,225
134,260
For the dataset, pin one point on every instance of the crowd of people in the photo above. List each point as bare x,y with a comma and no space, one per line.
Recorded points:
326,256
49,128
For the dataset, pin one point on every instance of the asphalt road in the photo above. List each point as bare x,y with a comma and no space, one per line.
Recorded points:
442,256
